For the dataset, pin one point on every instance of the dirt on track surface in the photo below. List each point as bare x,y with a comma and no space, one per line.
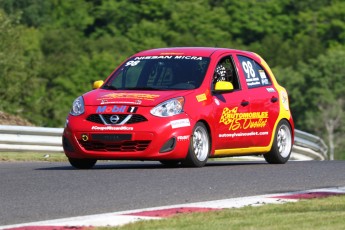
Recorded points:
8,119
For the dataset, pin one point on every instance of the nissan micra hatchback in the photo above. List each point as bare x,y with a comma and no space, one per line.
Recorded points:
182,106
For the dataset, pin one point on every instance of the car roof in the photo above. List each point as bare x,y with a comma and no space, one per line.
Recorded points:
188,51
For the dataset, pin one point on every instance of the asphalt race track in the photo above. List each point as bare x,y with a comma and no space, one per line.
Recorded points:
41,190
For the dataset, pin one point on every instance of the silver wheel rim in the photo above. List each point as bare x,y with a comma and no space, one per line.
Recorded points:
284,141
200,143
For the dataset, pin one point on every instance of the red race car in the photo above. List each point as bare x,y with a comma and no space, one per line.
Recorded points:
182,106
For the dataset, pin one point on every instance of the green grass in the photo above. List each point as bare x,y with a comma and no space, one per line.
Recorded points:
28,156
326,213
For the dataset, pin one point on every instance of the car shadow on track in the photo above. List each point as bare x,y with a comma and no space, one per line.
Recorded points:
105,165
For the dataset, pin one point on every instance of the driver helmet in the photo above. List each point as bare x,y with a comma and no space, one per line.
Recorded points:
222,74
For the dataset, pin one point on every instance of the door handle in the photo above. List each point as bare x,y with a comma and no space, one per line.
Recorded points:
244,103
274,99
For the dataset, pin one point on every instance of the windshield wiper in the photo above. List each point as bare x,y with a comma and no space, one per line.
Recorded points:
109,87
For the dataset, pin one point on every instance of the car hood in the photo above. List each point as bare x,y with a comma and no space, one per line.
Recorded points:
130,97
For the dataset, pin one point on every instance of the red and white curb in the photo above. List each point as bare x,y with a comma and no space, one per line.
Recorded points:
125,217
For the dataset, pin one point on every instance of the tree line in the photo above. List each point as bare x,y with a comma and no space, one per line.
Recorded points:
52,50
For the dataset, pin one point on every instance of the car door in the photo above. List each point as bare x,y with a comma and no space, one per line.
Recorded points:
264,102
228,110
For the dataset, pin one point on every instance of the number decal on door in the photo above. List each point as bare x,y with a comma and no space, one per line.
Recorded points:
248,69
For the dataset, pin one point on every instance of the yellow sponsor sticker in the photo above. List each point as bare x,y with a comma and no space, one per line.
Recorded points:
201,97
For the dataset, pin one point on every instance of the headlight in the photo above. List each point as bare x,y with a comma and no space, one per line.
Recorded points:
169,108
77,106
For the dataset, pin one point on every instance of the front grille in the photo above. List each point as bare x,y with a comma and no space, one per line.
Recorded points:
123,119
125,146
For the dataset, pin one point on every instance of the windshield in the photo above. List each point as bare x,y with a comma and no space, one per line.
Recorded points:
159,73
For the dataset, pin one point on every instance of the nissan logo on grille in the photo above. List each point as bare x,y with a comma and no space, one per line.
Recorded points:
114,119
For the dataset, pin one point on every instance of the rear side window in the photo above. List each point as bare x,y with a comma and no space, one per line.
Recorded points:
254,73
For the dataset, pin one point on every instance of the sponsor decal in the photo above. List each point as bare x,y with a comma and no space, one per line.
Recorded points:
112,128
201,97
189,57
270,90
153,57
263,77
183,138
111,109
136,102
236,120
132,63
232,135
172,53
180,123
262,74
137,96
132,109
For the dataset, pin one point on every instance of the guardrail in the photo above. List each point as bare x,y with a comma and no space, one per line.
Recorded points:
309,146
39,139
30,139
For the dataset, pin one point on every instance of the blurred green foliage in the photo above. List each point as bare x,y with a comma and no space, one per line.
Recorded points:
52,50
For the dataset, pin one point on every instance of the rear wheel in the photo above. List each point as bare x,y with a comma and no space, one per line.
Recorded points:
199,147
82,163
282,144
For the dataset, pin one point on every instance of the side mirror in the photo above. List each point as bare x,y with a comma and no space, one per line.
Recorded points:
223,86
97,84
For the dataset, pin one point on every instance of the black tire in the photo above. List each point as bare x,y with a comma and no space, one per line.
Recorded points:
199,147
282,144
170,163
82,163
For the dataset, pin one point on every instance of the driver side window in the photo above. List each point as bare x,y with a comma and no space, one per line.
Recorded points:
225,71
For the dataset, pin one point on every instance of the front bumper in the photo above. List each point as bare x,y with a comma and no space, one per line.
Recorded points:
155,139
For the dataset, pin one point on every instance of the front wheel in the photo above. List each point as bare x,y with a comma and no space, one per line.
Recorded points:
199,147
82,163
282,144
